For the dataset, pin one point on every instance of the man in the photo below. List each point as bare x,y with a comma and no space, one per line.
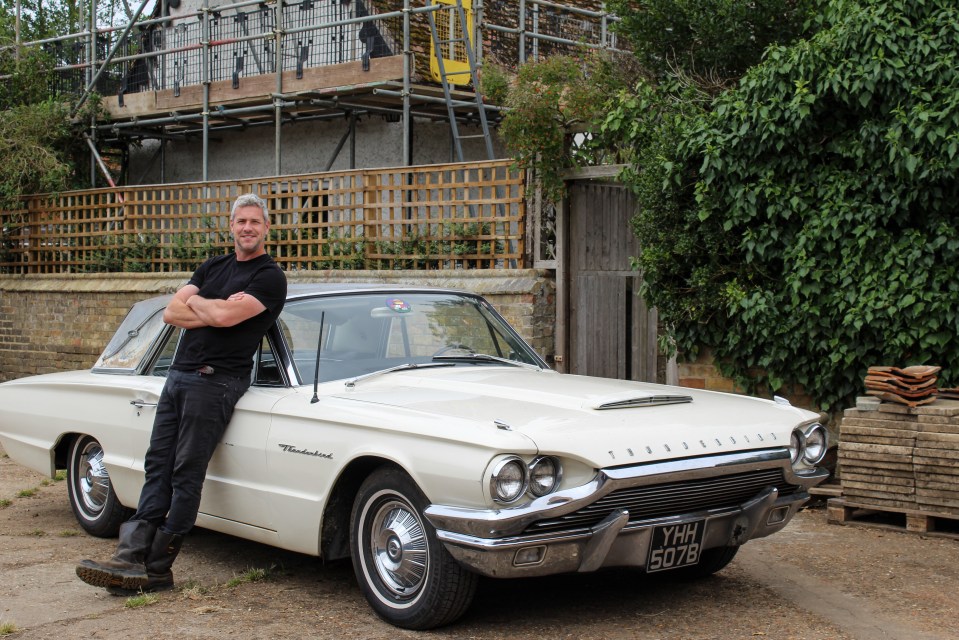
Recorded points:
225,308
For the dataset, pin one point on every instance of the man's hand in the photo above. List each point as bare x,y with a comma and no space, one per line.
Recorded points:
179,314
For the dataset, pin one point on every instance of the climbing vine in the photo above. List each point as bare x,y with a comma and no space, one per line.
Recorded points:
805,226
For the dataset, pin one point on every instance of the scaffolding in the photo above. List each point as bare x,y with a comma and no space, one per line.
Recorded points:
252,63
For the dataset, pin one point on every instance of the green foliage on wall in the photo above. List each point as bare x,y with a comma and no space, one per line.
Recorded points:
806,227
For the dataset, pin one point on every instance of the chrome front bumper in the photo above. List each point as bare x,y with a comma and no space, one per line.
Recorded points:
497,543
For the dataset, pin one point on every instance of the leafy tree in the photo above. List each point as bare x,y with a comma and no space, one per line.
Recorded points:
39,144
823,234
27,77
39,19
34,141
711,40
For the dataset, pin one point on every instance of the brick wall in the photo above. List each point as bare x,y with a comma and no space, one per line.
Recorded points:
60,323
703,373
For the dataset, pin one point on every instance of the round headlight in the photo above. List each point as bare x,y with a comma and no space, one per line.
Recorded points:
544,475
509,480
796,443
816,444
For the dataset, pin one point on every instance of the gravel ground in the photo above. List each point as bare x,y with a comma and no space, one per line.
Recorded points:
811,581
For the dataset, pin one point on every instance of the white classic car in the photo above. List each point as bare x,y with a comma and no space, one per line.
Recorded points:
415,432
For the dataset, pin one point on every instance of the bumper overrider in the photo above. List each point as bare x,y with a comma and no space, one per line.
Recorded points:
505,543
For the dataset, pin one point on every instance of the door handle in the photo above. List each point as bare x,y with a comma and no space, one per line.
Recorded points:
139,404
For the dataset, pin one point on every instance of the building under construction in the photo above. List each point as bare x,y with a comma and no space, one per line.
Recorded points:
359,122
207,90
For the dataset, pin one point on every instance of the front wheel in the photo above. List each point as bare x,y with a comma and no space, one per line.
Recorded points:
406,574
92,498
710,561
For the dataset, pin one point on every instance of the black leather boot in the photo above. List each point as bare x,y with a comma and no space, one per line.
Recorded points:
127,567
159,564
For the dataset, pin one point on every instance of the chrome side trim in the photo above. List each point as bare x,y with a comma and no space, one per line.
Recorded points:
512,521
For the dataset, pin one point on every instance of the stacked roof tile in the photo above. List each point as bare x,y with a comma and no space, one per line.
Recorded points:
951,393
911,386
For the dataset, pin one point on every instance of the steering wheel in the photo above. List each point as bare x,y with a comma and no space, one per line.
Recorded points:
453,347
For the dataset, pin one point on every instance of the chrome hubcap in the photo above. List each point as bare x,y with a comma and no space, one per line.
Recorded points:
94,481
399,548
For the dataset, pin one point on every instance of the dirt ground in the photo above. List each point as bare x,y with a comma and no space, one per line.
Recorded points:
812,581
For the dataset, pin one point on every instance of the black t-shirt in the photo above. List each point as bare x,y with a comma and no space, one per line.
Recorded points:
230,349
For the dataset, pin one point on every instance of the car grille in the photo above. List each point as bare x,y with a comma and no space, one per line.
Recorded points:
669,499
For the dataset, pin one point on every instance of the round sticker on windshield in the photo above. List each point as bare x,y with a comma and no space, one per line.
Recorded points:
397,305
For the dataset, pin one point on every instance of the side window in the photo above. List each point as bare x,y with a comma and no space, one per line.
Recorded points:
165,359
267,370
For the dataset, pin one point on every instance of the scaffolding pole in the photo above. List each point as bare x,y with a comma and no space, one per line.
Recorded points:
522,32
91,57
205,80
407,64
100,163
277,106
113,51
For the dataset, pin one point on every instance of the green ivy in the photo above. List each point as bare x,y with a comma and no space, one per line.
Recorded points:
822,238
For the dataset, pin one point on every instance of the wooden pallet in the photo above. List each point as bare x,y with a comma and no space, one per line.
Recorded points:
820,495
851,512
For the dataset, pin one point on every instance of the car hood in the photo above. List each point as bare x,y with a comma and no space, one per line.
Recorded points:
561,413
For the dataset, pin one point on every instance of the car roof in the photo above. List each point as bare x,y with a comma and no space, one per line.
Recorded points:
120,353
301,290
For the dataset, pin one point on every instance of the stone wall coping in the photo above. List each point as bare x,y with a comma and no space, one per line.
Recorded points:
485,281
94,282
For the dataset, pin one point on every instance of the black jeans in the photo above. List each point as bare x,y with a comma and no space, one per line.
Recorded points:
192,414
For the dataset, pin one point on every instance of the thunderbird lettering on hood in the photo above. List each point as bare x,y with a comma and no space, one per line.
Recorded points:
569,415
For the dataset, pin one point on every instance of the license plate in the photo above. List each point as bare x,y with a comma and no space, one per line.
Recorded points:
675,545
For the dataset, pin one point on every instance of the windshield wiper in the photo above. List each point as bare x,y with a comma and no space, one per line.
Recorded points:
402,367
484,357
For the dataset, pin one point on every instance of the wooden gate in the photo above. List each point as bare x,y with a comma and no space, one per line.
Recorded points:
609,331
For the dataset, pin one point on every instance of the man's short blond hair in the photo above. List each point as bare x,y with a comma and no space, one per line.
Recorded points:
250,200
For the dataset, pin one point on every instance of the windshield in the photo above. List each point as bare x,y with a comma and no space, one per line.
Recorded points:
363,333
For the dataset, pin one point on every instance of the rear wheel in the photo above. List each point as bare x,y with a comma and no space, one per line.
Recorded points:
405,573
92,498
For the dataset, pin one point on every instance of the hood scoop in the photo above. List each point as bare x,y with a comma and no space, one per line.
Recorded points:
630,401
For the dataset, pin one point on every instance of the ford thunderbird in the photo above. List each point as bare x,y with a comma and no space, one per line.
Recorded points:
413,431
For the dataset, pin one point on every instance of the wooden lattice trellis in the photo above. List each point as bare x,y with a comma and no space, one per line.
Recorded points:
469,215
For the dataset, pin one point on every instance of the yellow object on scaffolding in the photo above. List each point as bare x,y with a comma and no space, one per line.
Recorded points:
452,42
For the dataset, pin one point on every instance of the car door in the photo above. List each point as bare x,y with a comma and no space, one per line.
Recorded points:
236,492
238,488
